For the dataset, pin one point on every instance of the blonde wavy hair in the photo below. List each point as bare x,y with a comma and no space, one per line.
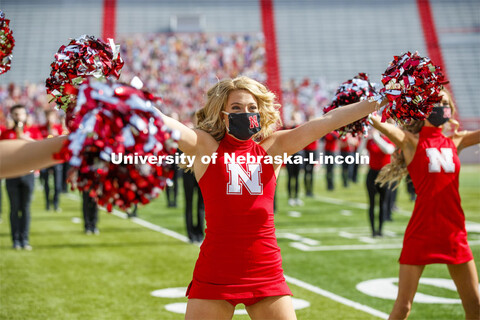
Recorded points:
394,172
210,120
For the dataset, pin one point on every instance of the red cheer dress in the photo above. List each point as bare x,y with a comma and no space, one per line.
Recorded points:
436,231
239,258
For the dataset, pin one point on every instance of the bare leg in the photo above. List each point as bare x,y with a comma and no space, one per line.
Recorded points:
466,279
278,308
409,276
208,309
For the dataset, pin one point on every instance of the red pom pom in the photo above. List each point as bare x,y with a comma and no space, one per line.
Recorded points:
82,57
7,42
354,90
113,121
412,85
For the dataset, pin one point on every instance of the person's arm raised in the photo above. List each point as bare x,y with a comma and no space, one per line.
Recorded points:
467,139
386,147
190,140
291,141
398,136
406,141
19,157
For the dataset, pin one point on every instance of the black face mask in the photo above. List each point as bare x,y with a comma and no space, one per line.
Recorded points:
439,115
243,125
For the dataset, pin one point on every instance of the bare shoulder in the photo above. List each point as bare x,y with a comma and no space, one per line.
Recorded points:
270,145
457,137
466,139
206,143
411,139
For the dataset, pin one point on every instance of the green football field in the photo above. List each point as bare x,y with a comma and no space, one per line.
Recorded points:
123,273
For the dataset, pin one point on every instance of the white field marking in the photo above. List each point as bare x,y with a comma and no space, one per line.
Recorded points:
178,292
347,235
387,288
321,230
141,222
304,247
76,220
470,225
357,205
336,298
296,237
389,233
297,282
346,213
363,230
367,240
294,214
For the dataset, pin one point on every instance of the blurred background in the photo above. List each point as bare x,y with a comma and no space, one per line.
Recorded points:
302,50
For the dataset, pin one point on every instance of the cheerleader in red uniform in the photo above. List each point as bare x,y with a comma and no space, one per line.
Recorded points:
436,231
20,189
330,149
379,148
239,260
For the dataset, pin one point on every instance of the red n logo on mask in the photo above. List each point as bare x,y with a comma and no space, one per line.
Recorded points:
253,122
447,113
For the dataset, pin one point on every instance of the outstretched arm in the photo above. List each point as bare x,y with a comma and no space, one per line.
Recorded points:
396,135
291,141
19,157
405,140
191,141
386,147
468,139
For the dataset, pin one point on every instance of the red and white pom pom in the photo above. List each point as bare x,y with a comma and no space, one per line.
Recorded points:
7,42
354,90
82,57
412,85
114,120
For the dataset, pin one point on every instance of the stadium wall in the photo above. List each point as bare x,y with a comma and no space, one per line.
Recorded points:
325,39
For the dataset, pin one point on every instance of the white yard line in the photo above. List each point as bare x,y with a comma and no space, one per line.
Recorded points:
289,279
296,237
352,204
359,205
140,222
305,247
337,298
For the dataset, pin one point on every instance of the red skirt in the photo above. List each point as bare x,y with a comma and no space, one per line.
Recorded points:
422,248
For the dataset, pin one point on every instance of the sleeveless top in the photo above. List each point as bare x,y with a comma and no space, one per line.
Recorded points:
239,257
436,231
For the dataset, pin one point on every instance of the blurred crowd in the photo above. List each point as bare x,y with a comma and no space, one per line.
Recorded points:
181,67
31,95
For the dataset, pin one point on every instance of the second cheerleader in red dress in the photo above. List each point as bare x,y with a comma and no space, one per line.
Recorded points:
436,231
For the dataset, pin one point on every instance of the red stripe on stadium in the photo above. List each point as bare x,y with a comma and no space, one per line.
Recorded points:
109,19
431,40
274,82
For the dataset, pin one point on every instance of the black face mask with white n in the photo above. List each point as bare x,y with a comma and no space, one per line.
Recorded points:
440,115
243,125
